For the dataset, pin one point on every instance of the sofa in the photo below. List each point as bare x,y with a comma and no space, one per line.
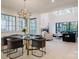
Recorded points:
69,37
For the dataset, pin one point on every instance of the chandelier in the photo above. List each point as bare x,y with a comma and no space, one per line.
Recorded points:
24,12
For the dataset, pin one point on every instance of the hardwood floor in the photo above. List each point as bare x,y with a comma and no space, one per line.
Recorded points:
56,49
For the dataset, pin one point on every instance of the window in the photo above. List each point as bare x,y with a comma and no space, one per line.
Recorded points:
32,26
10,24
3,23
74,26
21,24
7,23
67,26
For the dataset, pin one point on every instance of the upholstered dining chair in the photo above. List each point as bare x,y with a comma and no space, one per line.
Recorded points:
39,44
13,43
4,44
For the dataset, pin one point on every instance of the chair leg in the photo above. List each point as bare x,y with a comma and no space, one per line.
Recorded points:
42,52
14,52
3,49
22,50
9,52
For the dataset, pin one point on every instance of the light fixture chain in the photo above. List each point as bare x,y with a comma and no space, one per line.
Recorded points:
24,4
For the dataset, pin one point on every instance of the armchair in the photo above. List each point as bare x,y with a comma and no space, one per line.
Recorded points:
47,36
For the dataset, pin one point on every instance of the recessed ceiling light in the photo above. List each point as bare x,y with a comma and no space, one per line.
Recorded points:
52,0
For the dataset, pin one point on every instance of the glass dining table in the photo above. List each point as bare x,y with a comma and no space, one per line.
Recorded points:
27,39
28,43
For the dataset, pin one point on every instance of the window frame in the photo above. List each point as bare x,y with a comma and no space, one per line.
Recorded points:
10,23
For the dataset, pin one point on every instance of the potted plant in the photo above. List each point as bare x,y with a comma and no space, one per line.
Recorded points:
24,30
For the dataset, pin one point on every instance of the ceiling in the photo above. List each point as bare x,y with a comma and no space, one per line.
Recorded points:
37,6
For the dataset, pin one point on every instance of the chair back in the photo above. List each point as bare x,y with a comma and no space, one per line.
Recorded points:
13,44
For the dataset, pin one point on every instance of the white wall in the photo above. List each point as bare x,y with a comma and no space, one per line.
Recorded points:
8,12
38,26
53,19
44,19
